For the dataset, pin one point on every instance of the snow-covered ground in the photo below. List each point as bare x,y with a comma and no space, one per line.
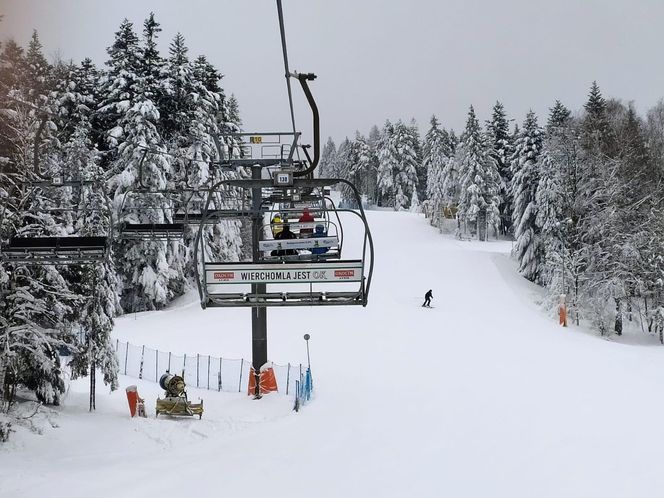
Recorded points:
481,396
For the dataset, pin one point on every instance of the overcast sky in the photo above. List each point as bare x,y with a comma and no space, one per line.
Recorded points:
379,59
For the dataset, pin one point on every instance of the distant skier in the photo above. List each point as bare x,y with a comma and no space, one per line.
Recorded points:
427,299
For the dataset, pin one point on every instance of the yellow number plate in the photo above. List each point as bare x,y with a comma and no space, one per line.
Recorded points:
255,140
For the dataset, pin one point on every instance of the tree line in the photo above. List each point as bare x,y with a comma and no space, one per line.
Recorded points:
580,195
145,119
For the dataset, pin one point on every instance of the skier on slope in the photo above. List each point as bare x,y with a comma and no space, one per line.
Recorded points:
427,299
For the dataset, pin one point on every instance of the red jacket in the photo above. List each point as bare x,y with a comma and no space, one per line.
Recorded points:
306,218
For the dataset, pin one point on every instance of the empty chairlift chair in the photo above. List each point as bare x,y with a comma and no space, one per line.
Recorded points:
142,205
55,250
62,250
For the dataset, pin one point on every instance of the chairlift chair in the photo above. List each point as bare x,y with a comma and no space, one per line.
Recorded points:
315,280
143,205
60,250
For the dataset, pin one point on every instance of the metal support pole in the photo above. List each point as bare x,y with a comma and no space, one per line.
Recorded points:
258,314
306,338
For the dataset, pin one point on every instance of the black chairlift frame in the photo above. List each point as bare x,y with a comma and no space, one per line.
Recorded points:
68,250
175,200
359,271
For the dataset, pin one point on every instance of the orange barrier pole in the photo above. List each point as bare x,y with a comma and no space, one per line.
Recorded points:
132,399
562,311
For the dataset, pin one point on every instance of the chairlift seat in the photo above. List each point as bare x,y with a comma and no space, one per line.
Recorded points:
147,231
58,250
332,254
187,218
286,299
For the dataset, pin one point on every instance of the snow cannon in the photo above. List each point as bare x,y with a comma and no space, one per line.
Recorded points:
173,384
175,400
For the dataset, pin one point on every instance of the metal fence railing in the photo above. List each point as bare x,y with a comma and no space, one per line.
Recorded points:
201,371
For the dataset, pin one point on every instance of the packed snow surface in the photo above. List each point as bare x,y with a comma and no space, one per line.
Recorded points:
481,396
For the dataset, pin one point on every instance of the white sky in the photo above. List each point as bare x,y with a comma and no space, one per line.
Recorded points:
379,59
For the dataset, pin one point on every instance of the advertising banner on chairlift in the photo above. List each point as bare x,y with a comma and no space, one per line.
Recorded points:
310,243
291,273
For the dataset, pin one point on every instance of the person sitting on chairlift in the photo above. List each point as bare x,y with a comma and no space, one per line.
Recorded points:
284,234
320,232
275,225
306,218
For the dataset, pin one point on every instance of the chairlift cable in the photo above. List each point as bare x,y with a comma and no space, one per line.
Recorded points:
287,70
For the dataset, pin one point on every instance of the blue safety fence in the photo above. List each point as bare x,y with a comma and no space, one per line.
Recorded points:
304,388
200,370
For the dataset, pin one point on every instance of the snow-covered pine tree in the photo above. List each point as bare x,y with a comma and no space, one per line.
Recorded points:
370,187
421,170
560,118
151,61
553,199
387,165
233,111
346,164
406,146
596,214
479,180
327,165
435,159
364,165
118,90
525,170
131,118
500,142
450,179
215,115
36,300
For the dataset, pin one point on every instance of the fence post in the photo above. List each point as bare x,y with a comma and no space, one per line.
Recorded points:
117,344
140,370
239,387
287,378
198,358
169,361
219,374
208,373
184,366
126,355
156,366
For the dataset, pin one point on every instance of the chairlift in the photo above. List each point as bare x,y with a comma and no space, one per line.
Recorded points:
60,250
55,250
316,279
147,215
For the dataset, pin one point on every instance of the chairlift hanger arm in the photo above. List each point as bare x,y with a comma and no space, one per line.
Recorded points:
303,78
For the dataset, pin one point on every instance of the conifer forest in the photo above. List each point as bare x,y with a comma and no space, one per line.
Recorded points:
579,192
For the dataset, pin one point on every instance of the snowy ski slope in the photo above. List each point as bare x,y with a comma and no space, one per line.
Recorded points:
481,396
